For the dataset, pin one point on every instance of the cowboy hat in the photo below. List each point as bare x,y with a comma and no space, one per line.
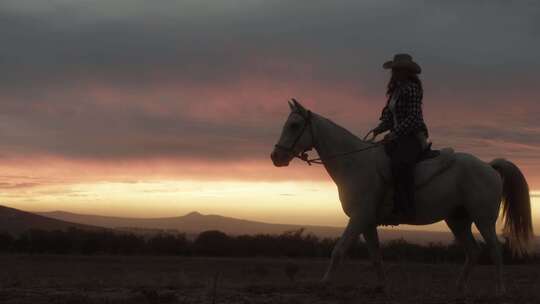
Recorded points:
403,61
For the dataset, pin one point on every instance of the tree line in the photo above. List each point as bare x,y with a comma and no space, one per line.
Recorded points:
218,244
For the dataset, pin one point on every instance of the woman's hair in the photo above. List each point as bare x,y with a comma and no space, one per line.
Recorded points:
402,75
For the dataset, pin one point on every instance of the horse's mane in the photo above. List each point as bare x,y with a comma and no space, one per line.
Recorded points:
356,139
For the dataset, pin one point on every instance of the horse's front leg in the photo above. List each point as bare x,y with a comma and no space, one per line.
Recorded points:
350,235
372,242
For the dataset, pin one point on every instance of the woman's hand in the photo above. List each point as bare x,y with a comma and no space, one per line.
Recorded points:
373,133
390,136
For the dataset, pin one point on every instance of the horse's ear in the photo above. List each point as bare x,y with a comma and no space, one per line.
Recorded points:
291,105
298,106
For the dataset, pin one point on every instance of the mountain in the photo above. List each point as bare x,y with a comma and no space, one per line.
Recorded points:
15,221
193,223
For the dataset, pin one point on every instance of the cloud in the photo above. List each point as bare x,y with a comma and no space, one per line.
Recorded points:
4,185
205,80
209,42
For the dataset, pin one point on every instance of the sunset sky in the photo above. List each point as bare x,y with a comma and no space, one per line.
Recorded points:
158,108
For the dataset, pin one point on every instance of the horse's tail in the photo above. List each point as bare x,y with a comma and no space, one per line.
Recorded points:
516,203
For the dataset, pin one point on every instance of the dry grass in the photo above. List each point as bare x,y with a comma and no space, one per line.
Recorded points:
149,280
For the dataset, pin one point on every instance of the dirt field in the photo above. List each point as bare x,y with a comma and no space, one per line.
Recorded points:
78,280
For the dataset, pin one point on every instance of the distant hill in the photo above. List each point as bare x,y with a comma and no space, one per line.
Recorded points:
193,223
15,221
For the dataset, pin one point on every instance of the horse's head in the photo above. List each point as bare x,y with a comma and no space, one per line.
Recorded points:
296,136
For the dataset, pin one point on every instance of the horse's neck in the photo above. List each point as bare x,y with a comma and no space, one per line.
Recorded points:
332,139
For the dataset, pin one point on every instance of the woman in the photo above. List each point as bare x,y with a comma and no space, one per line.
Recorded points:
402,116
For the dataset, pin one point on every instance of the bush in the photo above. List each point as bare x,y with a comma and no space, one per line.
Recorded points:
215,243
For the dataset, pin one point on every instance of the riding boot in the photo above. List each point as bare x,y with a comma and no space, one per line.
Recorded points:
400,190
408,186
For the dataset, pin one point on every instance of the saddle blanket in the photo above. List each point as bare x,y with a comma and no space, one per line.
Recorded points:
425,171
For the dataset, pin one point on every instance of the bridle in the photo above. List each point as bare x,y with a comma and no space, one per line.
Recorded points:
301,155
319,160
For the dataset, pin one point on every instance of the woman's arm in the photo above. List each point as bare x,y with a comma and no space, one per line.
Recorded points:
386,121
412,105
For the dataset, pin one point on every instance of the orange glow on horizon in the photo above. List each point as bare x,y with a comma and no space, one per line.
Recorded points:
288,202
249,189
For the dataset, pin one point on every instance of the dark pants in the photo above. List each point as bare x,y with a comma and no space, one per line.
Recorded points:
404,153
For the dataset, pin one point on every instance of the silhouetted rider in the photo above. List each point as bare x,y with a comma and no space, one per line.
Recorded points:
406,140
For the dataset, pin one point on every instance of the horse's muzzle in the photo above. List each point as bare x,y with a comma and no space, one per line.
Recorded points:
280,159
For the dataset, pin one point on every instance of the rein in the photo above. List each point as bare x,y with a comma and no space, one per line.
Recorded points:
319,160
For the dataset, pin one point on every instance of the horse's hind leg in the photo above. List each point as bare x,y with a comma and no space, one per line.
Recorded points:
489,233
461,228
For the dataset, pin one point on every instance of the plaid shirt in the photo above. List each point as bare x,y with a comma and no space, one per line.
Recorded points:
408,110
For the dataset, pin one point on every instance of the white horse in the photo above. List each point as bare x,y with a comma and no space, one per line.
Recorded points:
468,191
